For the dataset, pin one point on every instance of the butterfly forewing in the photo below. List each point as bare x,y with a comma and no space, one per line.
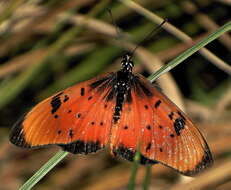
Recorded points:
157,128
78,118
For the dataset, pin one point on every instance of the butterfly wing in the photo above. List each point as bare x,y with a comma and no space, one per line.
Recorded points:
78,118
161,132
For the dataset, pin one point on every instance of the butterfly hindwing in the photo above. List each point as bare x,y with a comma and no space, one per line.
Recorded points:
78,119
162,133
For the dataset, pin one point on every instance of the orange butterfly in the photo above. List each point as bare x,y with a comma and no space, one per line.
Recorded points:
123,110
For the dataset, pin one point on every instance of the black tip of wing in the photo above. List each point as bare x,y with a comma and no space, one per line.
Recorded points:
129,155
16,136
81,147
206,162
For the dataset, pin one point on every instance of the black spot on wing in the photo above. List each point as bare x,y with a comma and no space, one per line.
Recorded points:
129,155
148,147
157,104
71,134
171,115
148,127
55,103
82,91
66,98
81,147
179,124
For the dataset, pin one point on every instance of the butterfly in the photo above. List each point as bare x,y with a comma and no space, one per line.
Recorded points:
120,109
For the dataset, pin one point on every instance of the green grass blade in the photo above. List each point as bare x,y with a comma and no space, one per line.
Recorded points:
190,51
44,170
147,177
135,165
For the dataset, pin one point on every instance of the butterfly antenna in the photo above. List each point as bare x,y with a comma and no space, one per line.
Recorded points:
114,23
119,34
149,35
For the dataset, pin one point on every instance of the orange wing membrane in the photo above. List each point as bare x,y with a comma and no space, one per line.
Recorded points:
123,110
156,127
78,119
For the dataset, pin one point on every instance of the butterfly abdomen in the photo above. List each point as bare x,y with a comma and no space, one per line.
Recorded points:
122,92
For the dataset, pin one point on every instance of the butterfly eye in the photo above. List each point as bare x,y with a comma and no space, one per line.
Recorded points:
131,64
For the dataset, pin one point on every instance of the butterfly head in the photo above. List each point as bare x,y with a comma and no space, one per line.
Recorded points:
127,63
